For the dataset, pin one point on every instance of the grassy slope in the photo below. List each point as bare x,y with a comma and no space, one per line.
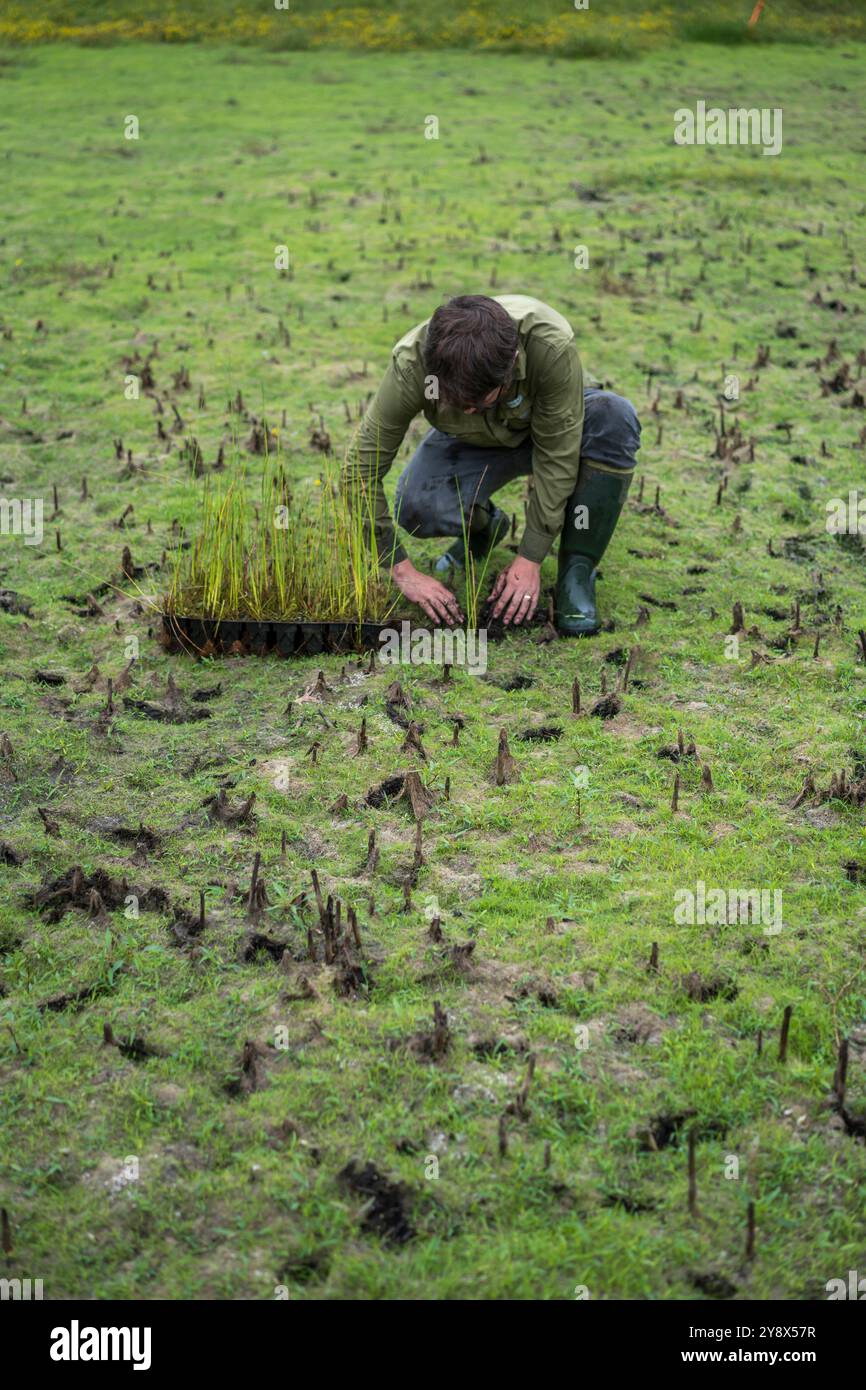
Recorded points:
240,152
614,27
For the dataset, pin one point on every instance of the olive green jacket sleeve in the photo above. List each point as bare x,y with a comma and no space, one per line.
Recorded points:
398,400
556,428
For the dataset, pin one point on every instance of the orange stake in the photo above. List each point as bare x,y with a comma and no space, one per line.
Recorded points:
756,13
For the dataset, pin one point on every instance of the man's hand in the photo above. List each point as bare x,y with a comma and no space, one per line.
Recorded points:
438,602
515,593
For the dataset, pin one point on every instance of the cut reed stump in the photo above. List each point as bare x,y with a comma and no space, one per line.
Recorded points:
783,1036
505,770
693,1178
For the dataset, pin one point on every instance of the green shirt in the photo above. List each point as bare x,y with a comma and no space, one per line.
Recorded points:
544,402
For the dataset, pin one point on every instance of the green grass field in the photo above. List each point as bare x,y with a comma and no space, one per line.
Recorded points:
212,1167
572,28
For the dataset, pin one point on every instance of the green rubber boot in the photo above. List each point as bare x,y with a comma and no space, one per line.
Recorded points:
481,540
590,521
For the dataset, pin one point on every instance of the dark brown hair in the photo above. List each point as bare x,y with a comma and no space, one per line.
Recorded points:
471,342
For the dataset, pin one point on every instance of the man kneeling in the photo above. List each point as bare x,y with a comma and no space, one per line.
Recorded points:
500,382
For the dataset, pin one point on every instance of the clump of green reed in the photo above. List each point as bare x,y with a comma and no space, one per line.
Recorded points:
474,573
300,551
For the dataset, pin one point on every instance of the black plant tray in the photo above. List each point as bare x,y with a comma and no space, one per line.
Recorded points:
248,637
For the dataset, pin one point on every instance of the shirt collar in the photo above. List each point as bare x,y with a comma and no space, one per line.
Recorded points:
513,393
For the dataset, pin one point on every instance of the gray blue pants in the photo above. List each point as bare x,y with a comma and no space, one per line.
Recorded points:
447,480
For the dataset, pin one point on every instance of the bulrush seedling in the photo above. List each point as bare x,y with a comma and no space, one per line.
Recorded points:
505,769
303,553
